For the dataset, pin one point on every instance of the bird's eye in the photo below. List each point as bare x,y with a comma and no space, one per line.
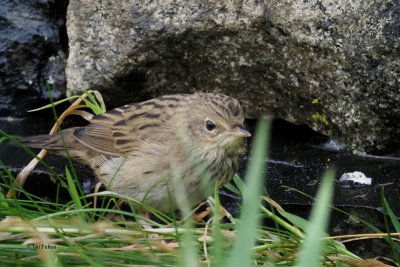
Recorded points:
210,125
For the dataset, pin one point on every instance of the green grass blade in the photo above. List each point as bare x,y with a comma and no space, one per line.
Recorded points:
73,192
15,141
4,138
64,144
231,187
187,250
93,104
281,222
386,208
313,244
54,103
242,251
93,107
237,180
370,226
392,216
217,249
294,219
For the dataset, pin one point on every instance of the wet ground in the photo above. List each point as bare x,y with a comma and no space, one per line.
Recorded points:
297,159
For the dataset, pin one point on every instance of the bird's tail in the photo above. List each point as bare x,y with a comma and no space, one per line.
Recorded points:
55,145
47,141
50,141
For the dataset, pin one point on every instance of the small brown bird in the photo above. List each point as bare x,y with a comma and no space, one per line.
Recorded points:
133,149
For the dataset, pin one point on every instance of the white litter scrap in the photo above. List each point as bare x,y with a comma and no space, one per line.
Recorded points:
356,177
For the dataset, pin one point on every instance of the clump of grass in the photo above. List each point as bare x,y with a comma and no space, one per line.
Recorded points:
35,231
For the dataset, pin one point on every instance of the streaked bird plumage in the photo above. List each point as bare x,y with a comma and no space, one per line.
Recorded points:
158,139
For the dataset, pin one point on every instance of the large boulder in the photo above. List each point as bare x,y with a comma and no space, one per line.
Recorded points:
333,65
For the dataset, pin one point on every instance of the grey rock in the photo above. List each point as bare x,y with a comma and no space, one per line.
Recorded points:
333,65
31,53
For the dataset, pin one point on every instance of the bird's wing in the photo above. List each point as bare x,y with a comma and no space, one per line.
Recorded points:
97,137
124,130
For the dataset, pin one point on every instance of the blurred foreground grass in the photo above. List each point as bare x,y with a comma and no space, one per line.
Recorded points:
38,232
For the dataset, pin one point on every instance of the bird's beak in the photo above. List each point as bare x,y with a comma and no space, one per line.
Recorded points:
239,132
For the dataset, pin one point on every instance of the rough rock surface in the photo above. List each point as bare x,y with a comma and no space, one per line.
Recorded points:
331,64
31,53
